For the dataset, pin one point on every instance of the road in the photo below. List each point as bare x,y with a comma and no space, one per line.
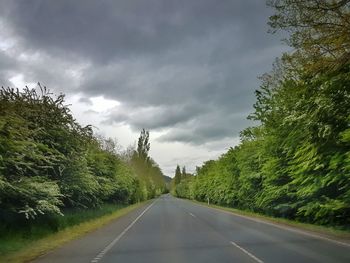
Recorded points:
173,230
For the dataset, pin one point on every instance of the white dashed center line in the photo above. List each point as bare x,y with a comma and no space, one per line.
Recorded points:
246,252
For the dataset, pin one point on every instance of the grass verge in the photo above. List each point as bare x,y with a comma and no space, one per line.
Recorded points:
328,232
29,249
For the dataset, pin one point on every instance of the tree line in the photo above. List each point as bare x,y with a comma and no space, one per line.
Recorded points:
296,162
50,163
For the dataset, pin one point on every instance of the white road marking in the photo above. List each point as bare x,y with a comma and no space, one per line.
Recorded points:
107,248
191,214
291,229
246,252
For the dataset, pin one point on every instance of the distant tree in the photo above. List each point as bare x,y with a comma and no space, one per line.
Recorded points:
128,153
143,145
145,167
183,172
177,178
109,144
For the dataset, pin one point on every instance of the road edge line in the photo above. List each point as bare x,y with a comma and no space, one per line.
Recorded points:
114,241
289,228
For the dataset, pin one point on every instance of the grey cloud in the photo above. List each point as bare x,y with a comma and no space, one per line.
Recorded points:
87,101
154,117
7,66
91,112
209,128
102,30
185,67
6,62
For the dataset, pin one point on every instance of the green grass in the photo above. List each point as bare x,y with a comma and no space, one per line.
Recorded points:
25,243
21,231
326,231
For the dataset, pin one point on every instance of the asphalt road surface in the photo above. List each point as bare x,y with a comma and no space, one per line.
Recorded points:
173,230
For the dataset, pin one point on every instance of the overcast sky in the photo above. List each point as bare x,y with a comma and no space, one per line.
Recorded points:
184,69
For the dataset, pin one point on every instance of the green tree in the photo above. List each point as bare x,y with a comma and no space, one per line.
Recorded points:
143,145
295,164
146,168
48,162
183,172
319,30
177,177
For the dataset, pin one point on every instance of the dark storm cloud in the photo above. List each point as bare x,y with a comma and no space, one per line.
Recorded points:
155,117
188,67
103,30
215,125
7,66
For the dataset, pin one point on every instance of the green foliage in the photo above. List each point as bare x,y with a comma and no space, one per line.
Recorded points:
319,30
143,145
296,163
49,163
177,177
152,178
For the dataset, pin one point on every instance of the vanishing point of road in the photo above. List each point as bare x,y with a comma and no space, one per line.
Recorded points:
173,230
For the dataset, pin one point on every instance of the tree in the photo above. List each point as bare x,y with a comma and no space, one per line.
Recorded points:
295,164
183,173
319,30
49,162
146,168
177,178
143,145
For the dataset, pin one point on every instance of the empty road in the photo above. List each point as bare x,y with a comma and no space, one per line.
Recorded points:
172,230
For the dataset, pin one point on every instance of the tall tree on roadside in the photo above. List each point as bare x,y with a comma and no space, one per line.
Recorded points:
143,146
177,178
146,168
296,163
319,30
183,172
